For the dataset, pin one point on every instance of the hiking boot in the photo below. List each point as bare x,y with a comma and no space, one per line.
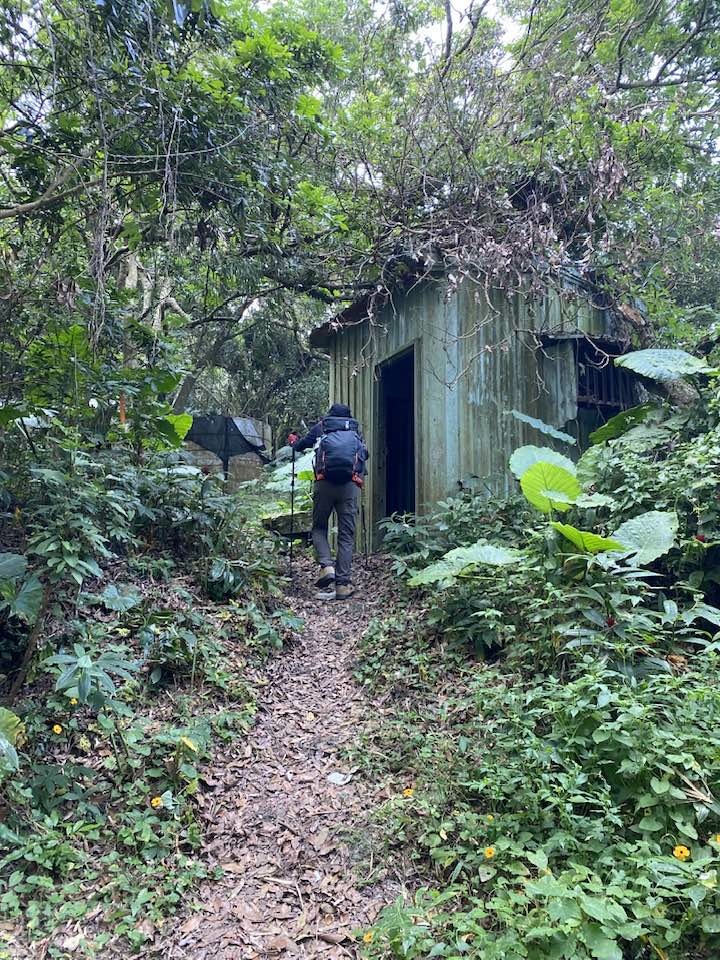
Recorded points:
326,594
343,592
327,576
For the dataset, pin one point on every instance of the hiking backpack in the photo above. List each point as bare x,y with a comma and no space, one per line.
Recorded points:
341,453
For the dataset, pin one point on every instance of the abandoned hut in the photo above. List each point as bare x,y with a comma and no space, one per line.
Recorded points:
432,374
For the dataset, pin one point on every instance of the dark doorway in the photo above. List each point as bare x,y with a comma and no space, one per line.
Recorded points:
397,410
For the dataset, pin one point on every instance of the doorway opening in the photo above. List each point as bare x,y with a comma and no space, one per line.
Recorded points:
397,385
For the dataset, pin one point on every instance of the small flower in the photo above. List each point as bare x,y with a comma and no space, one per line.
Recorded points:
716,838
489,853
156,803
408,791
57,728
73,701
681,852
489,818
368,937
700,537
610,621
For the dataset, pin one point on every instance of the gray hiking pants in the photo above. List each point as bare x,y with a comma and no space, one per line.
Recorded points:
343,498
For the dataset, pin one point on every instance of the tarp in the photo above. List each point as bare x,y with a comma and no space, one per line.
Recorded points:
227,437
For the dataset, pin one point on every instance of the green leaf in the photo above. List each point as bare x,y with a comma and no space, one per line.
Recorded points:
11,730
663,365
591,463
525,457
9,414
180,423
28,601
11,726
308,106
456,561
281,477
588,542
538,859
711,924
599,944
543,427
114,599
9,761
659,786
12,566
549,487
622,422
648,536
595,500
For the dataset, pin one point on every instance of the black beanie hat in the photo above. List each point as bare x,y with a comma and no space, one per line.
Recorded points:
339,410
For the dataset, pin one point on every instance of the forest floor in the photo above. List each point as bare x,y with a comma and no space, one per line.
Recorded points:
284,809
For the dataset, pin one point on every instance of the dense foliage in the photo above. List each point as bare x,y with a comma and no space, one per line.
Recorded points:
564,800
136,597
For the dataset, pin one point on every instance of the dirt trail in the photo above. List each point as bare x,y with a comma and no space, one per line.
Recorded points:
284,798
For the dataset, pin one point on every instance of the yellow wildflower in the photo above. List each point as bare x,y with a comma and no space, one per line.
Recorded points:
408,791
489,818
681,852
716,838
368,937
489,853
56,728
190,744
73,701
156,802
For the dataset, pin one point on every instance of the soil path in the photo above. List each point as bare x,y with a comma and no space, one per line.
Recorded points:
284,800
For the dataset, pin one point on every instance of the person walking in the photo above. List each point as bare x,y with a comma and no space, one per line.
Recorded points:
340,457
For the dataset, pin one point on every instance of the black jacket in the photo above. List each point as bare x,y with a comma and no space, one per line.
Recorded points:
310,438
314,433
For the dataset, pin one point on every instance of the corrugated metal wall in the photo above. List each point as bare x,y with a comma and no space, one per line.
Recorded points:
476,357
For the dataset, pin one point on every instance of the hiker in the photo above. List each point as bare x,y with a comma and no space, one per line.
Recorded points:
340,457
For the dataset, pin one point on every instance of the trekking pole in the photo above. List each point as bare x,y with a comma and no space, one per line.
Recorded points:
292,507
364,527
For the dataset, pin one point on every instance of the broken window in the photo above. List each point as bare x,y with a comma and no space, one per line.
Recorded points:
586,387
599,382
603,390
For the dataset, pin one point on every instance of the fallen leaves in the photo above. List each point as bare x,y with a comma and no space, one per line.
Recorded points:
278,804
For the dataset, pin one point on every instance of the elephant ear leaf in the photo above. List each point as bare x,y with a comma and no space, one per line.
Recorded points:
448,568
587,542
549,487
525,457
649,535
663,365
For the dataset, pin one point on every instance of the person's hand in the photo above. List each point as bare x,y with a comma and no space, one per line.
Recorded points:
292,439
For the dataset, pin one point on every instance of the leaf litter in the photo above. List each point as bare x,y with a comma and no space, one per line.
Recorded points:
277,807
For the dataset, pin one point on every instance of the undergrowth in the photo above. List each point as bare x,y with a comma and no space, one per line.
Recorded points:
138,600
553,712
